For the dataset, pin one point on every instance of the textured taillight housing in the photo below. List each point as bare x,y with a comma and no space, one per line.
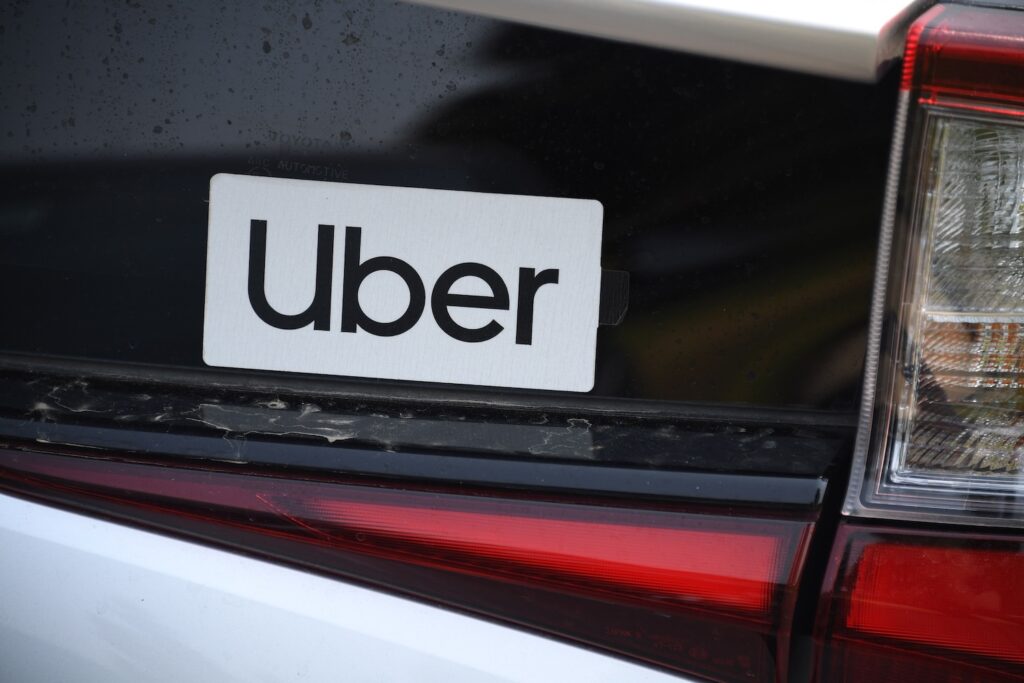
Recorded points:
942,426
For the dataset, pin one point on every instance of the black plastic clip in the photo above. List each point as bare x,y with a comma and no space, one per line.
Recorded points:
614,297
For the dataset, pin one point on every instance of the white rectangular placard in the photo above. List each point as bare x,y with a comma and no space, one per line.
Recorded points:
402,283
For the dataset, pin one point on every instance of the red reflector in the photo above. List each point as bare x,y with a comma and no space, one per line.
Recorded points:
902,605
701,593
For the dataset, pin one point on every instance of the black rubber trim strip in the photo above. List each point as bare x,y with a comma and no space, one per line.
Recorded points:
419,393
584,478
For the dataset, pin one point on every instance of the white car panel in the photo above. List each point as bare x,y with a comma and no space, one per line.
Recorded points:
844,39
82,599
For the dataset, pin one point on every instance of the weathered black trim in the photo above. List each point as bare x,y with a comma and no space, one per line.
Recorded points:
725,461
421,393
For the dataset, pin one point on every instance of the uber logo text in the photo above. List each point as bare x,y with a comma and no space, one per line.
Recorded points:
355,272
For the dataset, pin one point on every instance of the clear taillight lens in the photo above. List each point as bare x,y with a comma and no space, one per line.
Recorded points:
958,418
942,432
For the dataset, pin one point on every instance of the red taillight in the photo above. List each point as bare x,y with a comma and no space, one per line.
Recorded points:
628,552
903,606
981,609
698,592
940,437
966,58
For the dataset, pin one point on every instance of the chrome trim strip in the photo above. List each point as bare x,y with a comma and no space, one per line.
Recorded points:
853,505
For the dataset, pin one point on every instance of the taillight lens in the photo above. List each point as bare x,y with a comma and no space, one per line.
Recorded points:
691,590
922,606
942,430
941,436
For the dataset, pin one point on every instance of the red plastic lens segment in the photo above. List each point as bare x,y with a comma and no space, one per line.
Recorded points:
902,605
701,593
633,554
967,58
980,608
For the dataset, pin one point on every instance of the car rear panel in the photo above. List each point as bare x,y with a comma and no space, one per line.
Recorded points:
742,200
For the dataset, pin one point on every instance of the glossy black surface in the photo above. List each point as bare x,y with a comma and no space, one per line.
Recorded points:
743,201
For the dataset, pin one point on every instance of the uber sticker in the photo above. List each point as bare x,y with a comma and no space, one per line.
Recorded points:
401,283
